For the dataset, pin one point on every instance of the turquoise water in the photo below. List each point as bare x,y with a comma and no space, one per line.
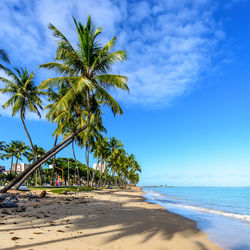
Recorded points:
223,213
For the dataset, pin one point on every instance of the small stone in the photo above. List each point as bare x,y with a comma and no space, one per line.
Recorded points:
15,238
2,198
8,204
43,194
21,208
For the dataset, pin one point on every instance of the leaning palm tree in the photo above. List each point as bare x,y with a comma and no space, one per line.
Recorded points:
86,69
3,56
24,95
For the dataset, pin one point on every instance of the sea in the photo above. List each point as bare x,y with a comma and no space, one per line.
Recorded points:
222,213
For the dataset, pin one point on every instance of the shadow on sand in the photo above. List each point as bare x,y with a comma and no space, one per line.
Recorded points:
100,214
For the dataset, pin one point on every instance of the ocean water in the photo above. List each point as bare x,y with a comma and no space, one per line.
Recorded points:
222,213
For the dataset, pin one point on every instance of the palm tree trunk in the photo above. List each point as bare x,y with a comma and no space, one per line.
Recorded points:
93,174
53,164
31,144
73,150
100,180
16,165
87,161
33,167
22,177
11,162
32,147
78,176
111,181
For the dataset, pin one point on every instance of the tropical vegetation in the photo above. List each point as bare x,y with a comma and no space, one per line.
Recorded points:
75,97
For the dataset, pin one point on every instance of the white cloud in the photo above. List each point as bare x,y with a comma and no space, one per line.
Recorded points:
169,43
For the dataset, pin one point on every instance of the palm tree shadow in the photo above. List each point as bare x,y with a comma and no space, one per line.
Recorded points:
116,220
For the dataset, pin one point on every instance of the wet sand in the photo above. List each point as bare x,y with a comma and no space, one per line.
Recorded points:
107,219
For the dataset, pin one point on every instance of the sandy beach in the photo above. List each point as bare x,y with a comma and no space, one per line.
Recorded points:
107,219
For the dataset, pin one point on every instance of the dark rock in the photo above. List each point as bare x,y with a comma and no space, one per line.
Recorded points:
2,198
15,238
43,194
31,196
5,211
8,204
21,208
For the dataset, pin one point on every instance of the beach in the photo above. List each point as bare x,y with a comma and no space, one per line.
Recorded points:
105,219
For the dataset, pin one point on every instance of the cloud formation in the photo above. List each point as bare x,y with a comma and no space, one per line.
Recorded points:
170,43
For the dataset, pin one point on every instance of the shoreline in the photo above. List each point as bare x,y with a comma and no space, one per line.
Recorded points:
106,219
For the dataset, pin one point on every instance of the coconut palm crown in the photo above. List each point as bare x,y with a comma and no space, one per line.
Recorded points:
85,68
24,95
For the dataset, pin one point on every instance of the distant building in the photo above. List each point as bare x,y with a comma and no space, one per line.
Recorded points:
19,167
2,169
101,167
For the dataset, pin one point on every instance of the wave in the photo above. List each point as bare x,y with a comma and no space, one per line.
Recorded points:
154,196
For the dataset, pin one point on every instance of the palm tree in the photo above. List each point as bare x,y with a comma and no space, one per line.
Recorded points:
85,69
114,146
2,145
3,56
20,150
25,97
9,152
87,137
39,151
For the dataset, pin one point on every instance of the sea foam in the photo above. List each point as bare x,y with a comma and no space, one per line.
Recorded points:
171,201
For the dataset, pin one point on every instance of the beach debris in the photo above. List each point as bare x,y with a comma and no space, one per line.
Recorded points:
60,231
15,238
43,194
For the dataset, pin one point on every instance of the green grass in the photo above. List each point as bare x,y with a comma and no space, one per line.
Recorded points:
59,190
71,189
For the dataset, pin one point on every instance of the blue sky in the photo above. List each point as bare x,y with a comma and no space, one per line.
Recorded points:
187,117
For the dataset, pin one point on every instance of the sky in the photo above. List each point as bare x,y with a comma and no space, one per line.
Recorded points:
187,116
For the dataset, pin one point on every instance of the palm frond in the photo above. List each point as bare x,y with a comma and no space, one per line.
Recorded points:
58,67
109,101
3,56
117,81
58,34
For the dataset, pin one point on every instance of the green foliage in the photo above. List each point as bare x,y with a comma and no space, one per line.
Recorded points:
9,176
76,97
3,56
84,82
70,189
24,95
39,151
